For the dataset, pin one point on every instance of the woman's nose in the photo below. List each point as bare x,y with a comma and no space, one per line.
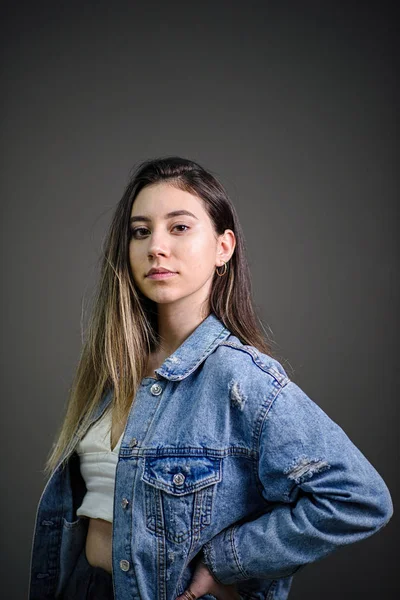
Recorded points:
158,244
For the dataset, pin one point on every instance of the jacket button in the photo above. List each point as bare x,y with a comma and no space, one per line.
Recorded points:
124,565
179,478
156,389
124,502
133,442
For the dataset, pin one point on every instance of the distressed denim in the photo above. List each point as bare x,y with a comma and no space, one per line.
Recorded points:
223,457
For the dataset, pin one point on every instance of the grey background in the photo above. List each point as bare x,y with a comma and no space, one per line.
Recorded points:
292,105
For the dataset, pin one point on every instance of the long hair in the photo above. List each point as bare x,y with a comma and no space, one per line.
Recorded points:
122,329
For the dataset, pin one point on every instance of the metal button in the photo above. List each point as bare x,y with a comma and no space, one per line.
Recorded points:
133,442
156,389
124,502
124,565
178,478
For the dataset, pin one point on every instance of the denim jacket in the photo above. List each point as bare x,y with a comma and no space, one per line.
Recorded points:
223,458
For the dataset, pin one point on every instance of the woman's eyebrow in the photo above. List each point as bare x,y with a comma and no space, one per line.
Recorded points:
174,213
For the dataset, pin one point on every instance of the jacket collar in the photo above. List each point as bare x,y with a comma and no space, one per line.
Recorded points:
194,349
186,358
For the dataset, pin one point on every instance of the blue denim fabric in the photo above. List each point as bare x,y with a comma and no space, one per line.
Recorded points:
223,457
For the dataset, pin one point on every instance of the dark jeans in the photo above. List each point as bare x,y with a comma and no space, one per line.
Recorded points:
88,583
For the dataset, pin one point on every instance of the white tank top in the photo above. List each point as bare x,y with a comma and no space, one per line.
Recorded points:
98,464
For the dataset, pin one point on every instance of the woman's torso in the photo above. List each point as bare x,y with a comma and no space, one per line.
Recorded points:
208,452
98,545
99,536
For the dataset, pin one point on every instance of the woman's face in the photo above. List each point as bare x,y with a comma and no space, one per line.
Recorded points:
185,244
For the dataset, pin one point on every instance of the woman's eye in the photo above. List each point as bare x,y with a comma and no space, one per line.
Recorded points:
135,232
187,227
140,232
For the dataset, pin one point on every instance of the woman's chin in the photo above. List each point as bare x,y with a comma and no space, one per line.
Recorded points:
163,298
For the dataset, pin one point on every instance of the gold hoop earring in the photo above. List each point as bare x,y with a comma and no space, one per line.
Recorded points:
223,273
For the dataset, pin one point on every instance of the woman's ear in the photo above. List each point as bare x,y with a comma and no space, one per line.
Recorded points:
226,246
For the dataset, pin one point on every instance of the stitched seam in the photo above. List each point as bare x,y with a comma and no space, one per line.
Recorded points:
271,590
279,377
263,419
235,554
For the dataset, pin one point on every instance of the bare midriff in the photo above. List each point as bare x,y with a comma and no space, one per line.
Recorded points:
99,544
99,535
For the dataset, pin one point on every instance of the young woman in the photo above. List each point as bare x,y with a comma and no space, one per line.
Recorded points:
189,465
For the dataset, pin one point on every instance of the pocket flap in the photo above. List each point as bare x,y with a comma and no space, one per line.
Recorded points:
181,475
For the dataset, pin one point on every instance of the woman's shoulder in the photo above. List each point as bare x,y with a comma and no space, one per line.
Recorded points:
233,358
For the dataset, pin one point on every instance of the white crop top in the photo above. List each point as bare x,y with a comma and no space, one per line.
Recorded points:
98,464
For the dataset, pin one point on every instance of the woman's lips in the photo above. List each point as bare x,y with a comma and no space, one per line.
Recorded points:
161,275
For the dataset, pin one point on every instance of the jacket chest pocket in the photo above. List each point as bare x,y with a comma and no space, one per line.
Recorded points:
179,493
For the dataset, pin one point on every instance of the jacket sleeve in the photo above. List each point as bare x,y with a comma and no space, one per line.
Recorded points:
321,493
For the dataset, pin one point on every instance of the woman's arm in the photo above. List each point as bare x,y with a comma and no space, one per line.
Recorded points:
321,493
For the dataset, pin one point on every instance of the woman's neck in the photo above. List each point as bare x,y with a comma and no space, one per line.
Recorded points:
174,328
